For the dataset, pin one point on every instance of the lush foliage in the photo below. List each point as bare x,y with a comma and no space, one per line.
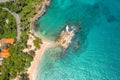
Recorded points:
18,61
7,25
26,8
36,43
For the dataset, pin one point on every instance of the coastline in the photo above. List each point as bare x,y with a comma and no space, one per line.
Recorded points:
41,11
32,70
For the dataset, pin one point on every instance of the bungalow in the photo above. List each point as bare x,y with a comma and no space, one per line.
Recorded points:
3,51
7,41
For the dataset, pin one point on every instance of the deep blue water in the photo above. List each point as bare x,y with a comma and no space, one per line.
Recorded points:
94,53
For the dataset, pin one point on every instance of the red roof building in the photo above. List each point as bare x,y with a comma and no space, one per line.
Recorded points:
5,53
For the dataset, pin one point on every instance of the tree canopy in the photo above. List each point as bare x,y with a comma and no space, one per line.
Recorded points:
7,25
18,62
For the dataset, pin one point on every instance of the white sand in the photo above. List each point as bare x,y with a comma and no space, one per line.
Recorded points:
32,71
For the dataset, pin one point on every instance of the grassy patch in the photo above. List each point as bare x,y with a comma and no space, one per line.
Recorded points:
36,43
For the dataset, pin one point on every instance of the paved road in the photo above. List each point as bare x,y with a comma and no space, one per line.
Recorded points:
18,22
4,0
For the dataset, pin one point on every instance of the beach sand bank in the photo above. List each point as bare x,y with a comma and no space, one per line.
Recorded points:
33,70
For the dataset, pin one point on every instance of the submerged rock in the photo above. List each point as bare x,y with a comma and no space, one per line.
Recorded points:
111,18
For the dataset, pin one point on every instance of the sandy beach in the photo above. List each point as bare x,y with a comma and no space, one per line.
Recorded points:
32,71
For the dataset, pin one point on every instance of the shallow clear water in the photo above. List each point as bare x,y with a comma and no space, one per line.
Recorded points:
94,53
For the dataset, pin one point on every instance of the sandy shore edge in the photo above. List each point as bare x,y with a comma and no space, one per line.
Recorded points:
33,69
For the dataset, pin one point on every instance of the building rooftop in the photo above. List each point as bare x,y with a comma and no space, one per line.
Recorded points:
5,53
7,41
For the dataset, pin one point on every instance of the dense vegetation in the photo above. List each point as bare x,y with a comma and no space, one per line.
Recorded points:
18,61
37,42
16,64
26,10
7,25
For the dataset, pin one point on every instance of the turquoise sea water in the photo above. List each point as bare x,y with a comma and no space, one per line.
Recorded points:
94,53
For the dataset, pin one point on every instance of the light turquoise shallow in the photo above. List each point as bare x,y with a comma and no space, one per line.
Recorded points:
94,53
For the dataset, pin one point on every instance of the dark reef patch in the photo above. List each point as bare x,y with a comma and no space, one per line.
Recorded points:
108,14
111,18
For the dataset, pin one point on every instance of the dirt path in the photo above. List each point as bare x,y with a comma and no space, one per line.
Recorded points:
4,0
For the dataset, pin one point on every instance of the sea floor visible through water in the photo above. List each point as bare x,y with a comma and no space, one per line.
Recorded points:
94,52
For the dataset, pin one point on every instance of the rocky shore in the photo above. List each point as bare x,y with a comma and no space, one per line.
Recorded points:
42,9
32,70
